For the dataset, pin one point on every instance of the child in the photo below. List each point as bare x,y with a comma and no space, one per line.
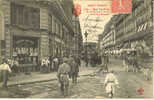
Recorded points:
110,82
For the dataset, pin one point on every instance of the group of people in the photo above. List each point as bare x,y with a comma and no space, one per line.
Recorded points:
91,59
130,61
68,69
50,64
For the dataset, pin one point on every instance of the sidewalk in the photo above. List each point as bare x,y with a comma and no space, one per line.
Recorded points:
21,79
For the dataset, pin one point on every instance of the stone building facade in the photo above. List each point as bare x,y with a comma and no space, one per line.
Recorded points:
133,29
34,29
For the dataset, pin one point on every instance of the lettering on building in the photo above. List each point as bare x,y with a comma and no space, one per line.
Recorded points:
142,27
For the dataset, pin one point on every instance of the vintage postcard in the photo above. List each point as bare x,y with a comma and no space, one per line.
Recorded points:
79,49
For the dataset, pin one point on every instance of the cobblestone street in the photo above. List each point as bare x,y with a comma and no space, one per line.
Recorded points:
89,87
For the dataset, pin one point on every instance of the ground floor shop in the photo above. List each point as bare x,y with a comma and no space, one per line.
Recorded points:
26,49
26,46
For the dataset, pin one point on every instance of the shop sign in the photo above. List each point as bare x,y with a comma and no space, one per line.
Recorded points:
24,42
142,27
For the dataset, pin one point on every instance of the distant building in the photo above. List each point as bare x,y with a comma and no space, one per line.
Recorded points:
78,35
90,47
107,38
130,30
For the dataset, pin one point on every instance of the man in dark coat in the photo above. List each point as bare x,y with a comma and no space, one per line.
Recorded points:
106,61
70,63
74,71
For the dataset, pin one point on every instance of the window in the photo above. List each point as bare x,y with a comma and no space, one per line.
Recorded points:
22,15
13,14
26,16
35,18
50,23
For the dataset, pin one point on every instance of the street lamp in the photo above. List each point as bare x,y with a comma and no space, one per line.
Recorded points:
86,35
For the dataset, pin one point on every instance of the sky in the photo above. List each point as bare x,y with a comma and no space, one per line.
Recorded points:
93,21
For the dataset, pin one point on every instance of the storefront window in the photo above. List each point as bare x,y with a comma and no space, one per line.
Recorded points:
25,50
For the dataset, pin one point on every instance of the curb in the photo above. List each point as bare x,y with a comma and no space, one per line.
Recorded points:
32,82
39,81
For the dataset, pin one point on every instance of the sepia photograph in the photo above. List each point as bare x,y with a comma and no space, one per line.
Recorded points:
76,49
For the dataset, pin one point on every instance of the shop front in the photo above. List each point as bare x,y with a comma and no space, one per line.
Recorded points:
26,50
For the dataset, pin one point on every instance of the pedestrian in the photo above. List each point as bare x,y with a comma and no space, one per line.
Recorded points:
74,71
106,61
110,83
77,60
47,64
4,72
135,64
15,66
126,62
43,65
63,76
70,63
55,64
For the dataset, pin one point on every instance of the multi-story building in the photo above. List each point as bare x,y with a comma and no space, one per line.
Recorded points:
78,35
35,29
107,38
135,28
60,27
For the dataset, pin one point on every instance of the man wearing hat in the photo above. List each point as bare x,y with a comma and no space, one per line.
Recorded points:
63,76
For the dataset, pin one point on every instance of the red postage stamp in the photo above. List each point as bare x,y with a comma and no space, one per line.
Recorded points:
121,6
77,9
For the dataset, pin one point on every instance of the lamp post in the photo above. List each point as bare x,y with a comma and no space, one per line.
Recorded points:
86,35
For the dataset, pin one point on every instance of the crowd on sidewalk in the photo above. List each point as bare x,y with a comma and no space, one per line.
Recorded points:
12,67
